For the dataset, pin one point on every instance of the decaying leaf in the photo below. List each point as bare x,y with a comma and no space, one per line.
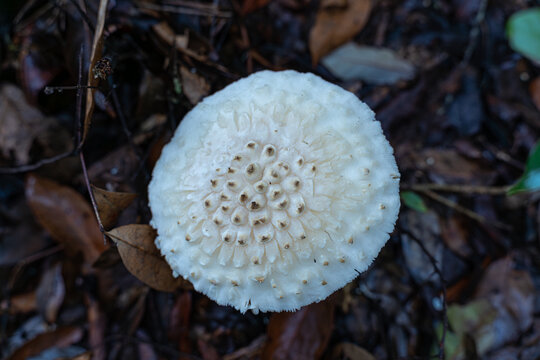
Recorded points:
61,337
195,86
110,204
335,26
303,334
20,124
20,303
66,215
372,65
50,293
164,31
141,257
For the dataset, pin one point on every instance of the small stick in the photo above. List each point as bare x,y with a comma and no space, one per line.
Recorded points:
462,189
79,147
461,209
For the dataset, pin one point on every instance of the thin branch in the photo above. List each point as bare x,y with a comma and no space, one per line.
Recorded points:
463,210
462,189
185,10
37,165
81,154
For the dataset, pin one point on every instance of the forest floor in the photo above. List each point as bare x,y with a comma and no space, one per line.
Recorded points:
459,277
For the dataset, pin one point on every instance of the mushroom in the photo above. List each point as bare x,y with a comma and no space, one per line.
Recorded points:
274,192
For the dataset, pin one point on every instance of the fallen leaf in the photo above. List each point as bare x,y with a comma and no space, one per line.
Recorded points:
509,288
455,234
195,86
530,180
413,200
523,30
208,352
97,326
61,337
95,56
447,166
303,334
167,34
111,204
349,351
20,303
24,227
178,329
501,312
141,257
50,293
466,112
335,26
370,64
534,89
115,167
66,215
425,228
21,124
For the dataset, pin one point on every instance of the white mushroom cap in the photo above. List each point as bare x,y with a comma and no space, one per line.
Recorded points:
274,192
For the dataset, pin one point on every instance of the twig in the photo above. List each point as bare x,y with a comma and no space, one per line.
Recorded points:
51,89
462,189
461,209
81,154
179,9
37,165
475,32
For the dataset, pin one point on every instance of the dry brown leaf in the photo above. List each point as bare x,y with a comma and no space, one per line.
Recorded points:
167,34
97,325
534,89
111,204
195,86
61,337
20,303
141,257
335,26
50,293
97,47
66,215
303,334
179,320
20,123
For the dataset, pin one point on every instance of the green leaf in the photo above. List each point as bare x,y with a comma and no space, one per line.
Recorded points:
523,31
414,201
530,180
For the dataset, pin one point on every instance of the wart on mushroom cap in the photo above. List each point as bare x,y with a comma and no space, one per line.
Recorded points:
274,192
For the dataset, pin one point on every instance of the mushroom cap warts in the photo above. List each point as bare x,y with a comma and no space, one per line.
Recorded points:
274,192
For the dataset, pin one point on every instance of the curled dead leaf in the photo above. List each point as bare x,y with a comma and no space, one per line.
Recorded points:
21,124
50,293
335,26
111,204
303,334
141,257
66,215
195,86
